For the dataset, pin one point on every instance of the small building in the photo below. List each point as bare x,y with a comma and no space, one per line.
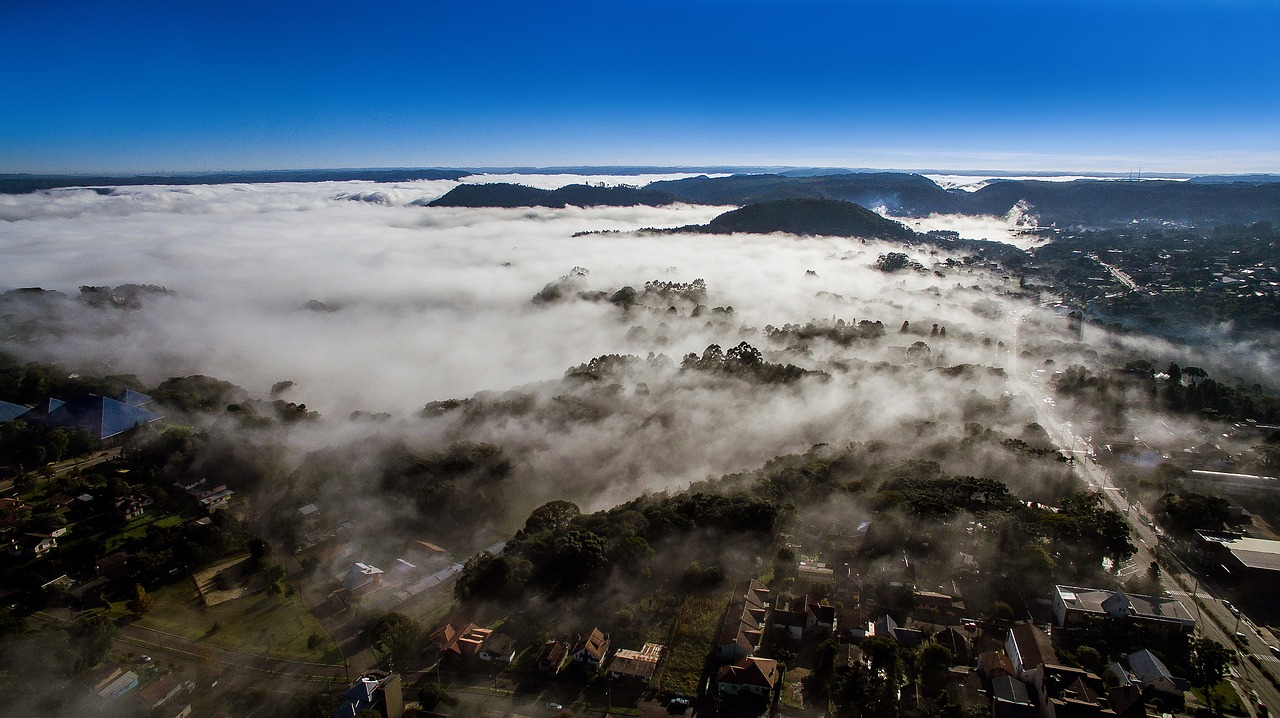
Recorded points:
804,617
1009,699
993,665
812,573
1153,675
748,676
886,627
130,507
955,640
362,578
117,684
39,544
158,692
374,691
1029,649
113,565
499,648
553,656
1066,692
638,665
590,649
461,642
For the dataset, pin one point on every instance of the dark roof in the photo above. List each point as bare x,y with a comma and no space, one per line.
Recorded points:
1010,690
133,398
1034,646
1126,700
9,412
41,410
99,415
750,671
1147,667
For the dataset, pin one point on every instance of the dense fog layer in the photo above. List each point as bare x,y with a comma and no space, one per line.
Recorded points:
370,301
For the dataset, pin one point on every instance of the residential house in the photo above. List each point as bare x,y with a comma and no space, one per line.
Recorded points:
887,627
591,648
159,691
933,601
812,573
90,592
1029,650
499,648
637,665
956,641
854,622
113,565
1127,701
1153,675
1066,692
131,507
744,621
804,617
362,578
38,544
748,676
553,656
461,643
374,691
116,684
1009,699
994,665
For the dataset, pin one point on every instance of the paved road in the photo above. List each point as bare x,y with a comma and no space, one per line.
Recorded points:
1214,620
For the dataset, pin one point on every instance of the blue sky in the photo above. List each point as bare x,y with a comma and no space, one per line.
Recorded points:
987,84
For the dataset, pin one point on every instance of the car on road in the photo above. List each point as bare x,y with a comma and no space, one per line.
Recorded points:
1243,638
1274,651
1234,611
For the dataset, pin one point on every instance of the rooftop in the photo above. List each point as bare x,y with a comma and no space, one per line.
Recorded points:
1253,553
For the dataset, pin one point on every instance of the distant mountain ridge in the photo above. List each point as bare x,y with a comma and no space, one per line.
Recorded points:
24,183
1092,203
502,194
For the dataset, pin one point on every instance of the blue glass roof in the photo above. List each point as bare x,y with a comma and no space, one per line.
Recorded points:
9,412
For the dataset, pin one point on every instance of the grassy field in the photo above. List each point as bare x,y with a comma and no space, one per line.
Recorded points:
273,625
692,641
137,527
1227,697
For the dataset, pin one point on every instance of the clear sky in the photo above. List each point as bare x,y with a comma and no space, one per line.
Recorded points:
171,85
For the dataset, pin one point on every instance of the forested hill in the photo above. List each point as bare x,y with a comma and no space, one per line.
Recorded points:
828,217
23,183
1099,203
1089,203
575,195
903,193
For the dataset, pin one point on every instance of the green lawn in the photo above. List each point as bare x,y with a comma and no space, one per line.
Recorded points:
137,527
1227,697
691,643
273,625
